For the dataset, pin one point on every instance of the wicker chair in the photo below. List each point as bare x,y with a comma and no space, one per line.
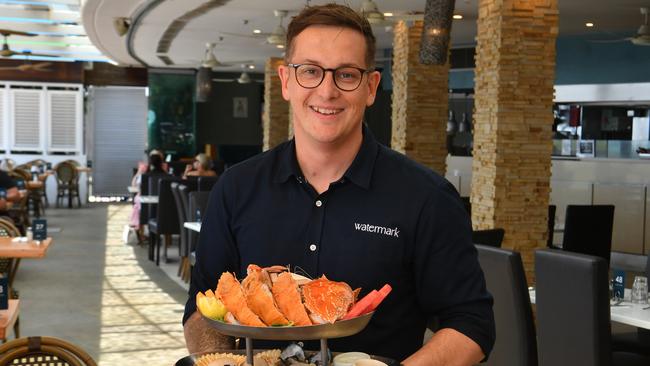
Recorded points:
43,351
67,181
8,229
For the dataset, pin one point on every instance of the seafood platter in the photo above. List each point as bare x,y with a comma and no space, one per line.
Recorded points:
274,304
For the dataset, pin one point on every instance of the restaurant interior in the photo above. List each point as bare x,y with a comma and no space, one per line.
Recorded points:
538,115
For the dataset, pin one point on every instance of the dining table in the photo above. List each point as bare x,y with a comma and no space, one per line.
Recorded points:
622,311
193,225
149,199
17,248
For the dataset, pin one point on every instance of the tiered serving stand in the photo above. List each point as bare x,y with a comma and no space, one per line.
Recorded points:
342,328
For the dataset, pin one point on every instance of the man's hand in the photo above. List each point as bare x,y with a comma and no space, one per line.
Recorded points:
447,347
200,337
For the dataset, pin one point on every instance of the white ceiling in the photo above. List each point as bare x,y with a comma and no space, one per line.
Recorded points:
188,46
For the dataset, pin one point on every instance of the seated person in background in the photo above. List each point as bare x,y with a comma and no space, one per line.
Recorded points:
155,166
8,191
202,167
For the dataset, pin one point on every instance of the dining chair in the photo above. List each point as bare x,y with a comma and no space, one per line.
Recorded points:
206,183
67,183
515,344
490,237
43,351
181,214
198,203
588,230
165,222
573,311
7,265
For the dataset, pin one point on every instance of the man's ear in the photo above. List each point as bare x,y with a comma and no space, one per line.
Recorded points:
373,83
283,73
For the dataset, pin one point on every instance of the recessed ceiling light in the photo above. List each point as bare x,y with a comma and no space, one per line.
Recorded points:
457,16
280,46
589,24
388,14
251,67
257,31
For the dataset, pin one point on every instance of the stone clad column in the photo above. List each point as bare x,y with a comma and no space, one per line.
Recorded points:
420,101
275,119
515,72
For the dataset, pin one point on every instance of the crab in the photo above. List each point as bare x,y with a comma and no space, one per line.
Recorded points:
327,301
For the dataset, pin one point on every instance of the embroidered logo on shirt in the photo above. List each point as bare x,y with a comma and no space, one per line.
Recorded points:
377,229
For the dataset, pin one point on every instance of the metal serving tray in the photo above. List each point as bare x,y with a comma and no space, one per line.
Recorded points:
341,328
191,359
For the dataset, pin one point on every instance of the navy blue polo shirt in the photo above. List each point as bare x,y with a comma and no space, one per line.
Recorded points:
387,220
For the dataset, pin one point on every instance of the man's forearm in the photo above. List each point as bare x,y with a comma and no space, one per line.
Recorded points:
200,337
447,347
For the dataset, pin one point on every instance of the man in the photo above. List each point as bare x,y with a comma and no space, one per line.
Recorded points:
8,192
334,201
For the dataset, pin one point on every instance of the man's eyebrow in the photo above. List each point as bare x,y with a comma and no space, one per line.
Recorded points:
345,64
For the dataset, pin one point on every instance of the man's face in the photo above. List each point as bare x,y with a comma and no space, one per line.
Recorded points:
327,114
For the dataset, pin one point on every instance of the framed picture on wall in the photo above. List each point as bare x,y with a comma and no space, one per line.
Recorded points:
240,107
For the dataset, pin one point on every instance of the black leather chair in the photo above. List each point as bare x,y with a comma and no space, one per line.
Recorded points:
165,222
181,191
144,191
490,237
573,314
154,178
515,344
198,203
634,342
588,230
206,183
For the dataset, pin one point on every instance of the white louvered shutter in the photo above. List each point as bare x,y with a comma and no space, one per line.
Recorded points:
64,122
26,108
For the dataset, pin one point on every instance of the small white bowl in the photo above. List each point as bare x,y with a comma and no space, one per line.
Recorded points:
369,362
349,358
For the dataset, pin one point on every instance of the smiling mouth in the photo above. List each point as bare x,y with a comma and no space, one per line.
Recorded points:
325,111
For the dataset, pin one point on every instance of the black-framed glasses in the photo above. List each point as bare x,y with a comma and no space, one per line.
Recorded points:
346,78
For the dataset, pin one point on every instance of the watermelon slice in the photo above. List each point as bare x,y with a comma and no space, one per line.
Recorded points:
382,293
362,305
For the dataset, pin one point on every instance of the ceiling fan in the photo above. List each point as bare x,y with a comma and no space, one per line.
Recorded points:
244,78
371,12
276,37
210,60
642,36
7,52
39,67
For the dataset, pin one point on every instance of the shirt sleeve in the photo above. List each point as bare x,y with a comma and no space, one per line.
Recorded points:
216,251
448,277
6,181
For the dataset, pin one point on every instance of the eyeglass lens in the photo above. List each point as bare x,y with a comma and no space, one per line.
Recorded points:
345,78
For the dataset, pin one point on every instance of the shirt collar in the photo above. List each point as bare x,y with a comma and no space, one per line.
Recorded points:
359,172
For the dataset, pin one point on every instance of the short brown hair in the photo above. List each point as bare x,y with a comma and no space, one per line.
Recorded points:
335,15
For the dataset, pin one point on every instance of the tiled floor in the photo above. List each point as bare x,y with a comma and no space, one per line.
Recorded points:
101,294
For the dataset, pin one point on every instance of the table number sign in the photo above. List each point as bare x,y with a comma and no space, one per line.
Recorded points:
618,284
4,295
39,226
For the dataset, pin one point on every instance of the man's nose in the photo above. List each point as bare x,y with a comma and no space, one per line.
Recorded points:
328,88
